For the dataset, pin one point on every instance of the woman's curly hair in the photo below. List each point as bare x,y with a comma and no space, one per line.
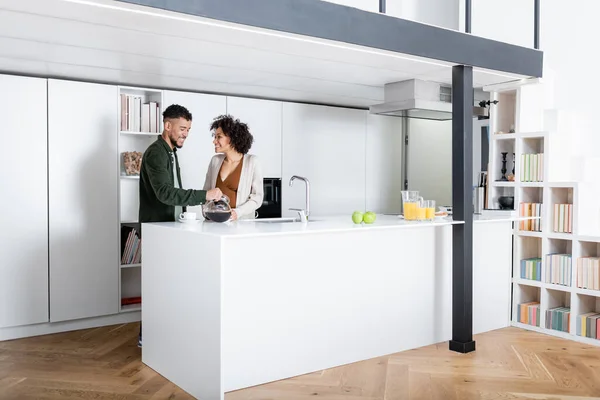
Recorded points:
237,132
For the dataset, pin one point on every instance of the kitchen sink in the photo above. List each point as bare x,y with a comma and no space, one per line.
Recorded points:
275,220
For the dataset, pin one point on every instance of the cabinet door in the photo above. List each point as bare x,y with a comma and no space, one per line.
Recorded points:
198,149
24,203
264,121
327,146
83,181
384,164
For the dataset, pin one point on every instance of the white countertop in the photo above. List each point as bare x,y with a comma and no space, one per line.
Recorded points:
319,224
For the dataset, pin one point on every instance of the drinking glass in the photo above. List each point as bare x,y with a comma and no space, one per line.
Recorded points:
421,210
410,199
430,210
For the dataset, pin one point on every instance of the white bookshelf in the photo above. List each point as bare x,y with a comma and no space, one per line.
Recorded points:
519,107
134,137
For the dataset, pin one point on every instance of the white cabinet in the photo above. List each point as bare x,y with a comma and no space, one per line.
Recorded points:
83,209
264,122
198,149
384,164
327,146
23,204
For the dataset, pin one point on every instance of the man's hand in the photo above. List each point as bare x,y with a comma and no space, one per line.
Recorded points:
214,194
233,215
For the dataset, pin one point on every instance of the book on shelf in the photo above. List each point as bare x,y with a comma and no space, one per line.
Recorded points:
532,167
588,325
558,319
131,247
531,268
139,117
530,210
131,300
563,218
558,269
588,273
529,313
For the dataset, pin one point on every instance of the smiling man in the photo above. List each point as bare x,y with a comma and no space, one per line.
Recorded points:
162,197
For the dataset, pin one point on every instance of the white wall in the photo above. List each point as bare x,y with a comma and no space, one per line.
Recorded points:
441,13
352,160
509,21
367,5
570,69
430,158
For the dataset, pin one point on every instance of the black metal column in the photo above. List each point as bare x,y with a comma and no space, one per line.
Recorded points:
536,24
382,6
462,209
468,16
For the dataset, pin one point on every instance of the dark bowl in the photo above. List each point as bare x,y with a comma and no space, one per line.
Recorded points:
218,216
506,202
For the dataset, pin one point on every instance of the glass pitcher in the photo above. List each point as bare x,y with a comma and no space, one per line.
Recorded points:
217,210
410,203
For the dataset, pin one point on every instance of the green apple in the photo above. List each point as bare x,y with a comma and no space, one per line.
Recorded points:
369,217
357,217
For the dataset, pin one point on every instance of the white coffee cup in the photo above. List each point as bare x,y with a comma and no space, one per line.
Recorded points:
188,216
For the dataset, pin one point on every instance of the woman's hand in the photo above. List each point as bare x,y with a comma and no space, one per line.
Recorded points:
233,215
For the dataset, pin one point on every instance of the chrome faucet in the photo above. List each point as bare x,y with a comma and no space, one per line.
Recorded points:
302,213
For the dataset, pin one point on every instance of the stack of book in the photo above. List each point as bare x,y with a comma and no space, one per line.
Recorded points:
563,218
139,117
530,210
132,251
558,269
588,273
588,325
531,268
532,167
529,313
558,319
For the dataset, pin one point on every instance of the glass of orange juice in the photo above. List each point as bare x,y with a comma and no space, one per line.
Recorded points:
429,209
410,204
421,211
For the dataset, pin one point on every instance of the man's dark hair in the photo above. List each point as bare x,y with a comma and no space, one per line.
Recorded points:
237,132
175,111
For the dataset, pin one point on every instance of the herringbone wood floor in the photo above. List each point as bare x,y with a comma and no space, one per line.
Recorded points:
104,363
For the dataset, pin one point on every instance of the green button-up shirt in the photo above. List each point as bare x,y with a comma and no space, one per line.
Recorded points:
158,194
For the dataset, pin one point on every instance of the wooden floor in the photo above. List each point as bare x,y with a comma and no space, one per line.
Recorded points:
104,363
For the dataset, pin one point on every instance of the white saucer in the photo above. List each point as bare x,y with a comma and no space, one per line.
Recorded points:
188,221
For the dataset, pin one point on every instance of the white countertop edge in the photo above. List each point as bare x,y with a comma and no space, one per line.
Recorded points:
301,228
334,224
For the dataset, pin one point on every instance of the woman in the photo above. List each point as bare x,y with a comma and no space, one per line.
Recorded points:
234,171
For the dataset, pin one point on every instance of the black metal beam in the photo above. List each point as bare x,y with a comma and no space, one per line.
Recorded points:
462,209
536,24
468,16
325,20
382,6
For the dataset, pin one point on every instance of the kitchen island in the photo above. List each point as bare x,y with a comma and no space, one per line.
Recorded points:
233,305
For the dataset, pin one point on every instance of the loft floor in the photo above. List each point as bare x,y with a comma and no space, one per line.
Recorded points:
511,363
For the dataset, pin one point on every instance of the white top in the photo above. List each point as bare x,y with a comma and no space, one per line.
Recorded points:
315,225
250,191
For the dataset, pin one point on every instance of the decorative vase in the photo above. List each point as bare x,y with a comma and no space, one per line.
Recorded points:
503,170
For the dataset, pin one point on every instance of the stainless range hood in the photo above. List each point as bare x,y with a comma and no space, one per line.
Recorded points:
419,99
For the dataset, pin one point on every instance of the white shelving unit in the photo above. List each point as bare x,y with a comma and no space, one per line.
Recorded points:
519,109
134,136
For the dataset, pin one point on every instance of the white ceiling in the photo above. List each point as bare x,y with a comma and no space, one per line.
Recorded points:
110,41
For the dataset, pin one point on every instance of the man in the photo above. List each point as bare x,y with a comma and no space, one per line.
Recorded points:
162,197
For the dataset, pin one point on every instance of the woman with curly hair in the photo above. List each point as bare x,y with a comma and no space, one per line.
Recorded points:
234,171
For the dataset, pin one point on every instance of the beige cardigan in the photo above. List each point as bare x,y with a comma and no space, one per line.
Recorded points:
250,189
